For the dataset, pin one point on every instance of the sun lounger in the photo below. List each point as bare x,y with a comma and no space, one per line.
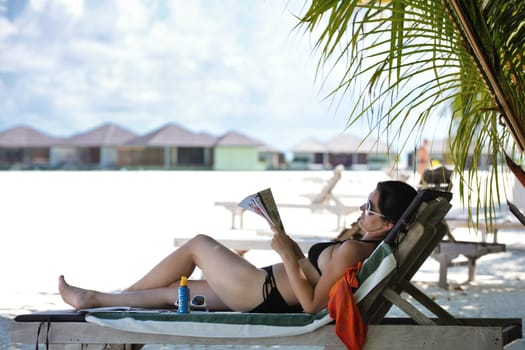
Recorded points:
385,274
416,245
448,250
503,220
395,334
340,211
438,179
324,201
242,241
326,195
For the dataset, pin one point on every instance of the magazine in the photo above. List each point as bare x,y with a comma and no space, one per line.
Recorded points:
263,204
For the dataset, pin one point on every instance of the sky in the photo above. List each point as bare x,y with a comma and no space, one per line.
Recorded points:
213,66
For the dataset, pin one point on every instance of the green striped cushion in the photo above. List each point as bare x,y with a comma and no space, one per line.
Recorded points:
212,324
378,265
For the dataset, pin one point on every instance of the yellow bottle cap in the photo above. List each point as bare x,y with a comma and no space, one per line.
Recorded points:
183,281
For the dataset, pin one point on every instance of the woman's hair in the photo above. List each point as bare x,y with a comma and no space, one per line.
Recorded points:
394,198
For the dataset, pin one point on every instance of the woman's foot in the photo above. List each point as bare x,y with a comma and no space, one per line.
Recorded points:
77,297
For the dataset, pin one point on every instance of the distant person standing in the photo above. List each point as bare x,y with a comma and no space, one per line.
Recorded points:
423,158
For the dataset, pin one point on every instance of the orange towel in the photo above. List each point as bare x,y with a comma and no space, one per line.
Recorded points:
349,326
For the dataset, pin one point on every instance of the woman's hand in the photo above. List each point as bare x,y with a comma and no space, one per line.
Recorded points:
285,246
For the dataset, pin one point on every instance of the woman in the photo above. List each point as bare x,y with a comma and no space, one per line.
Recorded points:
296,284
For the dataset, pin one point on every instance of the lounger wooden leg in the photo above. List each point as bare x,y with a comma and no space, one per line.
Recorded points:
408,308
444,317
444,262
233,219
471,269
341,219
241,219
443,272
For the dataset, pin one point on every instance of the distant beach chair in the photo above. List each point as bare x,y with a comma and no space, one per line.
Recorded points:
383,277
326,195
453,252
325,200
448,250
439,178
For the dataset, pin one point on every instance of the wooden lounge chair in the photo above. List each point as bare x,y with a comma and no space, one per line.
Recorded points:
326,195
385,274
450,248
416,246
471,250
325,200
439,178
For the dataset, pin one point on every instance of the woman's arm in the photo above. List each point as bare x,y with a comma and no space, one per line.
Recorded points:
314,298
310,272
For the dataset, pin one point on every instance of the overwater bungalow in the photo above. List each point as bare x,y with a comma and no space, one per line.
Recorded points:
24,147
345,149
96,148
168,147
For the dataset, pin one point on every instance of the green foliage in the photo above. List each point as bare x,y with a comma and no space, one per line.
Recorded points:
419,58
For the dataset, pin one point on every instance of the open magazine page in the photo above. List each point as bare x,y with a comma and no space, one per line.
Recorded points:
262,203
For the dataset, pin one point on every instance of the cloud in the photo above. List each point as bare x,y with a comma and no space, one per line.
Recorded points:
210,65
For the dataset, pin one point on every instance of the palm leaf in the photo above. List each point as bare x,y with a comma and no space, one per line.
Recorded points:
420,57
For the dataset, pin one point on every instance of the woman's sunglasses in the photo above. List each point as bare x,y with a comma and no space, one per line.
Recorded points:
369,211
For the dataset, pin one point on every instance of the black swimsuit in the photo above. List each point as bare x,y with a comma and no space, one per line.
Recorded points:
273,301
316,250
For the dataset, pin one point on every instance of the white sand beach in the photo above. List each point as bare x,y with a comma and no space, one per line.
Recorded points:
104,230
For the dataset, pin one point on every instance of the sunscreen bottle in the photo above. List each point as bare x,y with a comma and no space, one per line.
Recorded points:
184,296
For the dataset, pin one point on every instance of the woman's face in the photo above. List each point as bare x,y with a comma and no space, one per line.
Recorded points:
372,220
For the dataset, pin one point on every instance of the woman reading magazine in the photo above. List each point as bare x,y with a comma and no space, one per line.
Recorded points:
296,284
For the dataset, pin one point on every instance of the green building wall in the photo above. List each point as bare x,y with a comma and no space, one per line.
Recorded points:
237,158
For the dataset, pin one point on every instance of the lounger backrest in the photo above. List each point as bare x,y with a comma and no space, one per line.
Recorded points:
403,252
375,269
409,216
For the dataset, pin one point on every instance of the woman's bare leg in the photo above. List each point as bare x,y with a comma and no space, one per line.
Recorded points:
177,264
82,298
203,251
151,298
230,280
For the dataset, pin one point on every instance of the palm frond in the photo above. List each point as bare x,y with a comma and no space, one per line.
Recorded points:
420,57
